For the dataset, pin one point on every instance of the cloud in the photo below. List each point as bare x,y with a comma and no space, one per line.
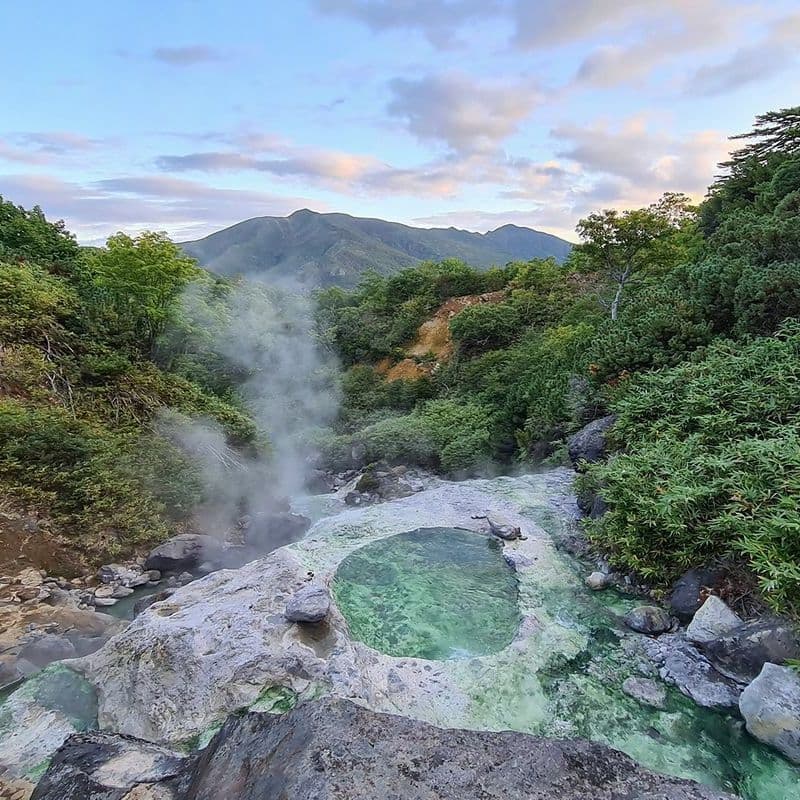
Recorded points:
773,54
9,152
59,142
43,147
438,20
187,56
641,161
186,209
466,114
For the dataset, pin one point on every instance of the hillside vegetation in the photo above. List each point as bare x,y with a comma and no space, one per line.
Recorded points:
94,353
683,321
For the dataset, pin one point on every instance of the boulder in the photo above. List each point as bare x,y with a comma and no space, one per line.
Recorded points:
309,604
43,650
147,601
742,653
684,666
714,619
770,706
267,532
651,620
104,766
588,445
690,591
335,749
646,691
183,552
598,581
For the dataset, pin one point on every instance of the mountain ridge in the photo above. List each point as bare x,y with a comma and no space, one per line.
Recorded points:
322,249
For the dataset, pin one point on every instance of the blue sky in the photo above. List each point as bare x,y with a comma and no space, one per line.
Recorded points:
191,115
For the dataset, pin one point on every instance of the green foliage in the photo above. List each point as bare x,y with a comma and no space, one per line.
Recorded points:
138,282
80,397
25,235
33,303
711,466
632,245
442,434
485,326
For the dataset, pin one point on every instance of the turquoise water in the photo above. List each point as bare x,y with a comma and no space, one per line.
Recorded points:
448,594
436,593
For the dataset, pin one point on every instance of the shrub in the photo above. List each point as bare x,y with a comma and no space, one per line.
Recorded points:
485,326
710,467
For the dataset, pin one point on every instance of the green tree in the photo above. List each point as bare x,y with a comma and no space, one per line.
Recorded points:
139,280
625,246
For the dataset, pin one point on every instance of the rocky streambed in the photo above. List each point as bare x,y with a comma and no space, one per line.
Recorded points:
399,637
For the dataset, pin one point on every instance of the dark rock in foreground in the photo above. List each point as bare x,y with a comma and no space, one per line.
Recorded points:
335,750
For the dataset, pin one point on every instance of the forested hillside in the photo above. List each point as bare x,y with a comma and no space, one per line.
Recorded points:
95,354
683,321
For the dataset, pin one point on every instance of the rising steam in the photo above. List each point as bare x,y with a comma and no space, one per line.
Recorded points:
264,336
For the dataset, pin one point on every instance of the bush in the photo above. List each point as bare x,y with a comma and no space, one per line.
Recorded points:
711,467
485,326
441,433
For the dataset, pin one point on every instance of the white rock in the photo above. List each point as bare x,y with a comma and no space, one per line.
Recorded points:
713,619
598,581
770,706
309,604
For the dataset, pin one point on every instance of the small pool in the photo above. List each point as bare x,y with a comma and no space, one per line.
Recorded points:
435,593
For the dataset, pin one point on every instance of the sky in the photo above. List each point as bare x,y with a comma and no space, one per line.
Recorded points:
188,116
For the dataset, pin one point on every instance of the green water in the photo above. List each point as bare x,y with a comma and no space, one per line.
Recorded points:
436,593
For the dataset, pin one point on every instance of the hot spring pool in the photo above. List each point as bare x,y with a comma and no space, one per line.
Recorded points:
435,593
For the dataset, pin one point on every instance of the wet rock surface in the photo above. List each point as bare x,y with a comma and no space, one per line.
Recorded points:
770,706
104,766
336,750
684,666
648,619
742,653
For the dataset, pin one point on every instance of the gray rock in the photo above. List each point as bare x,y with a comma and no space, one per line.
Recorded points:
588,445
145,602
712,620
684,666
10,671
105,601
104,766
742,653
599,507
690,590
47,647
184,552
598,581
333,749
646,691
309,604
267,532
118,573
648,619
770,706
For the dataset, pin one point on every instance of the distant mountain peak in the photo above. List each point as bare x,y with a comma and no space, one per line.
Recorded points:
322,249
